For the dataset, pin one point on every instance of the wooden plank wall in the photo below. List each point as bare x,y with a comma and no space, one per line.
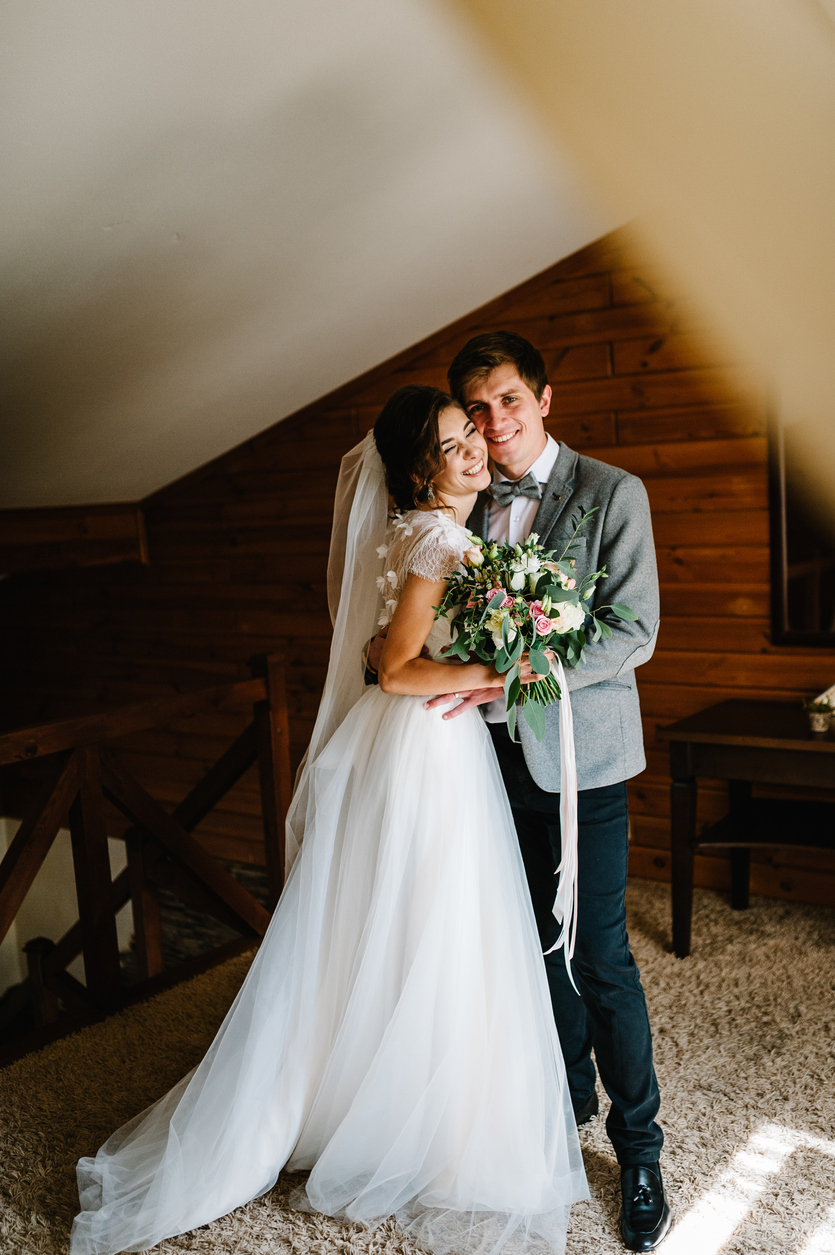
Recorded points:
238,553
61,536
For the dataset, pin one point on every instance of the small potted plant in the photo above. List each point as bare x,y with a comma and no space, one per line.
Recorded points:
819,712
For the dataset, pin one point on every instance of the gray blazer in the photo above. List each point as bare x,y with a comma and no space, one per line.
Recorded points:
604,699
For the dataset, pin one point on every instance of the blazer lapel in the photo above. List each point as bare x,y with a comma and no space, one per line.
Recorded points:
556,494
555,497
477,522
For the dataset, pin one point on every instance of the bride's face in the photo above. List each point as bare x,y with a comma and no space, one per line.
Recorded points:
465,451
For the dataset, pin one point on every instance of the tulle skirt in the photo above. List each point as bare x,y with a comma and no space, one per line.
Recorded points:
394,1034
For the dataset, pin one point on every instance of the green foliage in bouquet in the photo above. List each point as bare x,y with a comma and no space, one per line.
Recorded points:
512,599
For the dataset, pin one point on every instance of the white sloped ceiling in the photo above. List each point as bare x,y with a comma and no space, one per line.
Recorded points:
214,213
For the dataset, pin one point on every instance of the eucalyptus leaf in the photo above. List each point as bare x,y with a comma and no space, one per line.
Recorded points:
514,692
623,612
506,631
605,629
535,718
512,675
503,661
539,662
511,722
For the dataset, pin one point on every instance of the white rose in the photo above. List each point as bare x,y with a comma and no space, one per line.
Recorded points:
494,622
517,581
569,618
497,638
473,556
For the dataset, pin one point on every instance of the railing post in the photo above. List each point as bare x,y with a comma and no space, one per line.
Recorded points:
34,837
44,1001
147,921
92,881
273,728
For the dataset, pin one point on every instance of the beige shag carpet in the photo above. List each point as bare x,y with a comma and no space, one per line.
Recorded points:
745,1053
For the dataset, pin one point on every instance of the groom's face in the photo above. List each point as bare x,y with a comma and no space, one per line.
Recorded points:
509,417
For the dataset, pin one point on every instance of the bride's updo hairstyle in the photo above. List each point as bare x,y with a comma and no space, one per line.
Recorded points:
406,434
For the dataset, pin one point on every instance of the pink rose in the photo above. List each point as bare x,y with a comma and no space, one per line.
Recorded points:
543,625
535,609
506,601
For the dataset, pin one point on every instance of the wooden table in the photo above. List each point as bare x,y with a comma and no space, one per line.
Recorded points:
744,743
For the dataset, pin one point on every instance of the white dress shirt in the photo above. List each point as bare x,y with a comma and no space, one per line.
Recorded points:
513,523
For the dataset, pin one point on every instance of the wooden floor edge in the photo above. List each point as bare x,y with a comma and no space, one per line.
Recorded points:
38,1038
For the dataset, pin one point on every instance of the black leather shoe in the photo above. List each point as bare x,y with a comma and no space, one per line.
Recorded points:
588,1110
646,1217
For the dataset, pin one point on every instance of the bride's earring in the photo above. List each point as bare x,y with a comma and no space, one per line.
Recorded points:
430,493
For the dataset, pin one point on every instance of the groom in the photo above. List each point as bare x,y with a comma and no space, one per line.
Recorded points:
538,484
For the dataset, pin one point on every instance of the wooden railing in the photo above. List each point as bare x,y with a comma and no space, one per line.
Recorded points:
81,774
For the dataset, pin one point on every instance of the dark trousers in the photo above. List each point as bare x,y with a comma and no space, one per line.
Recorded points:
610,1016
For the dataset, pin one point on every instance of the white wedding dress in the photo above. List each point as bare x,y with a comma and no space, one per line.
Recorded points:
394,1034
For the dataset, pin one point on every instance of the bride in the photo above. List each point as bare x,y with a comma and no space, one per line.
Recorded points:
394,1034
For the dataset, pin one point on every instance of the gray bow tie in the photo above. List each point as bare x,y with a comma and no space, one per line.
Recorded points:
504,491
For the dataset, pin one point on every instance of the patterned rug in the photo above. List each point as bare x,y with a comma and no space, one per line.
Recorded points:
745,1051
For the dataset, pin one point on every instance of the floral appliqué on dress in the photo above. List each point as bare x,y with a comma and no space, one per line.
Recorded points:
427,543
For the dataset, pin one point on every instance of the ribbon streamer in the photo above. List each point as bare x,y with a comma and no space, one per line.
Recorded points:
565,904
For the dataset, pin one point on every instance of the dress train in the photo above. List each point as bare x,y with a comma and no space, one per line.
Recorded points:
394,1034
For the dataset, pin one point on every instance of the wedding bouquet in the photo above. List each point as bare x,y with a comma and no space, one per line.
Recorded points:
516,598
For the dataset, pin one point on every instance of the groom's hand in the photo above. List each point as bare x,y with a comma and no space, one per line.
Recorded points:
375,650
480,697
475,697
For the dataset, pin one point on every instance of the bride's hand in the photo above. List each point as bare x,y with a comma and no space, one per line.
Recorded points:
474,697
526,674
375,650
493,684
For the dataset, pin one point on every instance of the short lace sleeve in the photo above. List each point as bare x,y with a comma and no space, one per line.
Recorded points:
425,543
434,558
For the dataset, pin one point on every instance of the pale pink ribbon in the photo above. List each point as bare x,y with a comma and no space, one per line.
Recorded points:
565,904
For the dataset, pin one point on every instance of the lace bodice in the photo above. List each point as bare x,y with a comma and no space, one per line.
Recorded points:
426,543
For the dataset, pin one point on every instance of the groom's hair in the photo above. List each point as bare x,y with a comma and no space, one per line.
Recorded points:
483,353
406,435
